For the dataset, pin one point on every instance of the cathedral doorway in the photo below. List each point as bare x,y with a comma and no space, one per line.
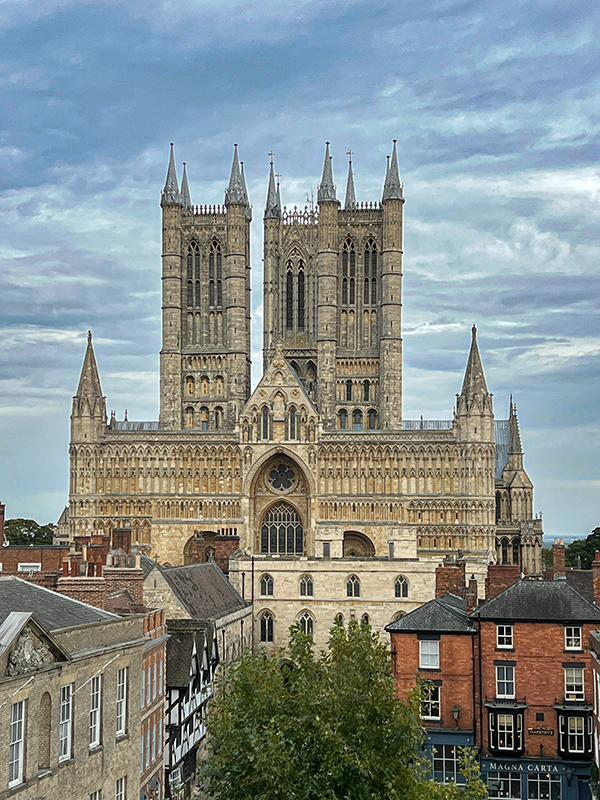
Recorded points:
357,545
282,531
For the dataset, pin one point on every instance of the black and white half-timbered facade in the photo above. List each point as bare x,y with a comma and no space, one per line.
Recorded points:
192,657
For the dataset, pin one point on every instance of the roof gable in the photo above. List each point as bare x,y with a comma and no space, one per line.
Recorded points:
202,590
26,645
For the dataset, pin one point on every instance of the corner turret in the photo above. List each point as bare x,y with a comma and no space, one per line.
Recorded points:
88,417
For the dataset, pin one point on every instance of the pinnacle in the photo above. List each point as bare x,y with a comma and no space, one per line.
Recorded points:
245,188
474,380
515,433
273,204
89,380
326,191
235,190
350,201
170,193
185,190
392,188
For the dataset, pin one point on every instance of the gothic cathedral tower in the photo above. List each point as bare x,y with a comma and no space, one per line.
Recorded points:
333,299
205,355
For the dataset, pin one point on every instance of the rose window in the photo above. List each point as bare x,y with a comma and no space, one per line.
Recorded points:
281,477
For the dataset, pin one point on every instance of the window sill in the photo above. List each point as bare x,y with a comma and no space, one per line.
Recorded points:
429,669
506,649
120,737
64,762
95,748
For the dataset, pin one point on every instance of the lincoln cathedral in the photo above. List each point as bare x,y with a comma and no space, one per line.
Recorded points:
337,507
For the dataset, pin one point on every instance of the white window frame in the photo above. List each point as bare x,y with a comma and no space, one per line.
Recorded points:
505,725
429,653
548,780
148,685
29,566
431,698
506,677
508,785
504,637
153,759
121,789
578,735
17,741
122,701
65,726
97,795
147,747
160,676
95,710
142,753
574,688
573,637
160,737
154,672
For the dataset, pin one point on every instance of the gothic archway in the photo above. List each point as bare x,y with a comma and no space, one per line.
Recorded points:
357,545
282,531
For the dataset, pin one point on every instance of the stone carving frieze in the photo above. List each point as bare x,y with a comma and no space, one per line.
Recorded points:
29,655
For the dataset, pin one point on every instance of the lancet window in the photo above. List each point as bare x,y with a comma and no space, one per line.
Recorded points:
295,294
370,273
215,275
193,275
266,627
348,274
307,624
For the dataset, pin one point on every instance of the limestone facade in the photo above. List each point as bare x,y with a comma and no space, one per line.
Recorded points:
316,466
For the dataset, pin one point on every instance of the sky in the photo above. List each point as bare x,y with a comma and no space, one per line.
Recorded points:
496,110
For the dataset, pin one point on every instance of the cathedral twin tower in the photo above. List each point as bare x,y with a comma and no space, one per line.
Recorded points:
332,300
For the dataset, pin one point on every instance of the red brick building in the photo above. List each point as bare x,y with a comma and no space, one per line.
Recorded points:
513,677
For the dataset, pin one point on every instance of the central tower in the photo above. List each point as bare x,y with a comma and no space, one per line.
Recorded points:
333,298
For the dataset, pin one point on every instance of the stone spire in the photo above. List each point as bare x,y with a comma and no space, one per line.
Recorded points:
170,194
350,201
235,190
89,380
515,448
474,381
245,188
392,188
273,204
326,191
186,200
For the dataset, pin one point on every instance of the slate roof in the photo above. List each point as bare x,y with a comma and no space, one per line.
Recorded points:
55,611
583,581
539,601
147,564
445,614
203,590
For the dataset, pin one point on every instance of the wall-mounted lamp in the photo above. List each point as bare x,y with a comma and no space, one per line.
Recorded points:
569,774
455,713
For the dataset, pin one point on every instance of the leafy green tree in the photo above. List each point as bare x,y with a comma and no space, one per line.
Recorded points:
332,728
585,548
28,531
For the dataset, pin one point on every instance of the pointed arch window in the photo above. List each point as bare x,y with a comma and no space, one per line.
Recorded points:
307,624
498,507
266,627
306,586
504,548
401,586
215,275
300,297
367,391
348,273
266,586
265,423
516,549
282,531
293,424
348,390
193,274
353,586
370,273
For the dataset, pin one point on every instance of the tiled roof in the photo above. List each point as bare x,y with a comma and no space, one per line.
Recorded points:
539,601
445,614
203,590
55,611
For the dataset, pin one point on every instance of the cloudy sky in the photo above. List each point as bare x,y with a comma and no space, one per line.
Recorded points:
495,108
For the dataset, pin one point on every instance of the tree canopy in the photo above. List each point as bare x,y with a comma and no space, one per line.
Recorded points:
331,728
27,531
585,549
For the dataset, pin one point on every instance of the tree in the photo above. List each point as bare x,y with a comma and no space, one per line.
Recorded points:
585,548
28,531
302,728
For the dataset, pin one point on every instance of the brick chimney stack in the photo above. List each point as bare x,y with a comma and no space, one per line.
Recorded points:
596,577
471,594
558,556
450,577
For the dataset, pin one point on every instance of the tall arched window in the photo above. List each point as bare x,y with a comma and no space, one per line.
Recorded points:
289,298
366,390
266,627
401,586
282,531
204,418
353,586
189,417
215,275
307,624
343,419
348,390
357,420
348,274
498,507
516,550
306,586
218,418
365,621
504,548
293,423
372,419
266,586
370,273
44,732
338,620
193,274
190,386
301,298
265,423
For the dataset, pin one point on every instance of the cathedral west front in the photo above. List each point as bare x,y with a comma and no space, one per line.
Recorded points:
339,507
